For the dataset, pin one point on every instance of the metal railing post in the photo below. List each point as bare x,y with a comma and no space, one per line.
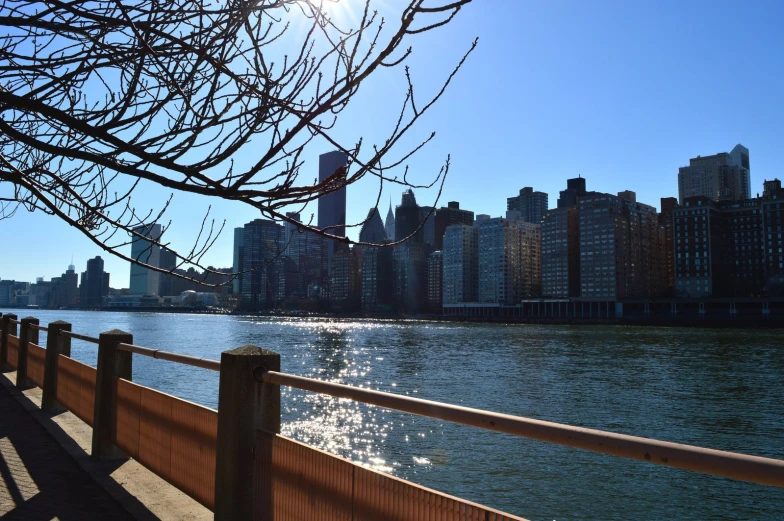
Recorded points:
112,364
245,405
8,329
26,335
56,345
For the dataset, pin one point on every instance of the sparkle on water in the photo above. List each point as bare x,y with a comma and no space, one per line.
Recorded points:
718,389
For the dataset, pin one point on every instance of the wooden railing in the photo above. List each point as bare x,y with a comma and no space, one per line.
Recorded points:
238,465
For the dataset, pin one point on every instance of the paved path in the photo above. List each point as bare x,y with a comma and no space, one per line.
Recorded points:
39,480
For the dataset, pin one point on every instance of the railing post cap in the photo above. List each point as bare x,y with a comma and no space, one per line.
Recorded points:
114,332
249,350
9,316
59,323
29,319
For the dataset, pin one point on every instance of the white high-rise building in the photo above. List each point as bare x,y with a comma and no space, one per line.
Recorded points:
143,280
720,177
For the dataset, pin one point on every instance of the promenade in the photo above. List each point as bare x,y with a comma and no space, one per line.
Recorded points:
46,472
40,480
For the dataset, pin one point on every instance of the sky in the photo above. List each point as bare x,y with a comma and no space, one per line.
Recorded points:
621,93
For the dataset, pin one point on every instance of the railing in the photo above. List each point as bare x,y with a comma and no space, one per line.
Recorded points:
214,457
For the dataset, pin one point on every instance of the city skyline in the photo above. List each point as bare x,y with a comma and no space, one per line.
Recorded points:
582,92
231,255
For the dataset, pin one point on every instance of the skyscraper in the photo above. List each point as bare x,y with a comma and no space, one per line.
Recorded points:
95,284
408,219
447,216
575,188
620,245
509,266
531,205
720,177
389,224
239,242
145,281
428,216
68,288
345,284
261,239
410,257
435,287
561,253
378,282
461,264
372,230
332,204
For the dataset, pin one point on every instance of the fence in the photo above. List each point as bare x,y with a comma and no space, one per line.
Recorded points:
238,465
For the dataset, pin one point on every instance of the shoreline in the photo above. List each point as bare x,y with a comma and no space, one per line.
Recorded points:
741,322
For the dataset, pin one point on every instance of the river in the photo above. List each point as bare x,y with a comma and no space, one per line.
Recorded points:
715,388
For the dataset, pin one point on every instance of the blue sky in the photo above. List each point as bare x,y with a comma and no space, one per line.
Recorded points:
622,93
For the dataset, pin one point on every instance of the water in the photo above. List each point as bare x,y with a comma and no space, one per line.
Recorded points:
719,389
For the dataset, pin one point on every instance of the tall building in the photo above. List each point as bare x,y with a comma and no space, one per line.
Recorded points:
332,204
701,261
262,244
168,282
283,277
731,248
95,284
509,265
410,257
666,216
531,205
239,242
460,264
345,283
408,219
145,281
67,288
720,177
378,282
435,288
410,273
575,188
447,216
389,223
308,251
561,253
428,217
620,246
372,230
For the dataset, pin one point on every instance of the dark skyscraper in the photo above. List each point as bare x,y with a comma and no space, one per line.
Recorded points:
447,216
239,242
575,188
95,284
408,218
332,205
531,205
373,230
261,240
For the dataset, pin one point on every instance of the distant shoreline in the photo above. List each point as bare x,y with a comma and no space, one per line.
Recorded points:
741,322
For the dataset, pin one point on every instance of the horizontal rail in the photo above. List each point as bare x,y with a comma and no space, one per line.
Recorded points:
17,322
39,328
79,337
756,469
195,361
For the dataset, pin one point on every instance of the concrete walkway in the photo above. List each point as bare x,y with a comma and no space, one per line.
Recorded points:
39,480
